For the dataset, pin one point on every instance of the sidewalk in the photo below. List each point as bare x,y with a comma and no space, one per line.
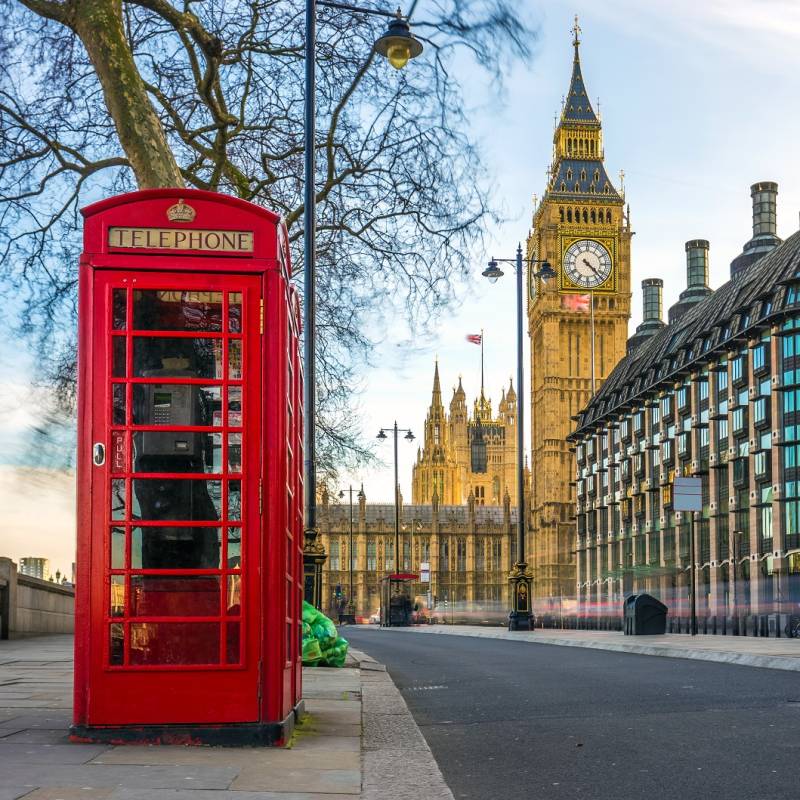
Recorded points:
744,650
345,748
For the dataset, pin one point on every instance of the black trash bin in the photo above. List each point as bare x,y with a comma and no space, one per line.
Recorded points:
644,615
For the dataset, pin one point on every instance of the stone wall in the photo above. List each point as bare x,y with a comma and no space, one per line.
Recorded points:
30,606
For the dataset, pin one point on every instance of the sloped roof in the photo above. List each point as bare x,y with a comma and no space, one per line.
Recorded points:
577,107
578,177
755,296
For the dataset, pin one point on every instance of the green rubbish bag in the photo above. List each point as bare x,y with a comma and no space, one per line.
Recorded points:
322,646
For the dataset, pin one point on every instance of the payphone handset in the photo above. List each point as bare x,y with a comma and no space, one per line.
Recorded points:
170,404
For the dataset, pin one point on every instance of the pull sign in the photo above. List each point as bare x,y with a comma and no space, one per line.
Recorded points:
99,454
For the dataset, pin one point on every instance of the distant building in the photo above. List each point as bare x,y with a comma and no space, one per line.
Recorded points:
713,394
35,567
469,547
467,455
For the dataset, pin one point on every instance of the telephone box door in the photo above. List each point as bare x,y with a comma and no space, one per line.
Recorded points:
175,487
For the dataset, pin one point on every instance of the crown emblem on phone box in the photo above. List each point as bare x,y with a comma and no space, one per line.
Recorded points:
181,212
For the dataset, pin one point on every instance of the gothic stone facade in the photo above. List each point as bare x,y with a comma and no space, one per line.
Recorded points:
581,228
469,548
467,455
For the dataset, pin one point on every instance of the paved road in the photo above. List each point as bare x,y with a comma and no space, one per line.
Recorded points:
515,720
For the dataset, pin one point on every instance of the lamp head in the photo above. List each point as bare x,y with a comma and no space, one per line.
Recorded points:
409,437
546,272
398,44
492,272
381,435
341,494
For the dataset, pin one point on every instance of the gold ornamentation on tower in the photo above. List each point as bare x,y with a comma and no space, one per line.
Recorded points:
580,227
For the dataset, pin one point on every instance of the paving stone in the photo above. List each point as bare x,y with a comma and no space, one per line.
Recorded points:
280,779
13,792
343,744
390,731
143,777
70,793
230,757
36,736
19,752
173,794
385,704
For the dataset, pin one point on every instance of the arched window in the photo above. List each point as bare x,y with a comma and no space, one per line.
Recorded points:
569,215
597,175
608,217
583,174
561,213
569,173
592,215
585,216
563,186
577,186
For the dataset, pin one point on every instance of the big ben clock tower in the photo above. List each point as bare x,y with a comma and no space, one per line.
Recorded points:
581,228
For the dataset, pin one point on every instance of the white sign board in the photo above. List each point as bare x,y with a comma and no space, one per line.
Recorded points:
425,572
687,494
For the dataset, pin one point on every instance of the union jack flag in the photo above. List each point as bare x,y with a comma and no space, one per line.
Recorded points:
576,302
474,338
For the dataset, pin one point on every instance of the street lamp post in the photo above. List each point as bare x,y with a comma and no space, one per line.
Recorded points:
350,616
398,46
520,617
409,437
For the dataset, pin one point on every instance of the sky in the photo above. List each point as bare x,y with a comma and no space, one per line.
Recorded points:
698,101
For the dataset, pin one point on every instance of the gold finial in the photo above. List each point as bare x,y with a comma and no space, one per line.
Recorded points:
576,32
622,180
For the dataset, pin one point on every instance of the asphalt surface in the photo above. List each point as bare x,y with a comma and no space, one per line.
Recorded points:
516,720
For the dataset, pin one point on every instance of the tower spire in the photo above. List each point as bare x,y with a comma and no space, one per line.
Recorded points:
436,395
577,107
576,37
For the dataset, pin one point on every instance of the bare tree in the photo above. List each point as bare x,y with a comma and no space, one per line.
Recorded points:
101,96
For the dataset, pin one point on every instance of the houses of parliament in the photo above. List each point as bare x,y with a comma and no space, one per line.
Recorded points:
577,324
467,454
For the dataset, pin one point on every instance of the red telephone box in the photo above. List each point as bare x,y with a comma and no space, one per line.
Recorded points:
189,570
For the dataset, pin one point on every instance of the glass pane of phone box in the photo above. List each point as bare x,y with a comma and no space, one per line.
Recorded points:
177,451
178,547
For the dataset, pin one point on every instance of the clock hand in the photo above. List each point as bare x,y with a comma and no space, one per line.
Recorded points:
593,269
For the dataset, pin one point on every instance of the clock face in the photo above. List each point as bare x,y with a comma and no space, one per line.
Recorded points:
587,263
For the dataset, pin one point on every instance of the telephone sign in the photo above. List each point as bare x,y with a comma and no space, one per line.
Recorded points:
189,562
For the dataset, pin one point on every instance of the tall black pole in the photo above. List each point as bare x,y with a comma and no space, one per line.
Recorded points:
352,605
693,577
520,421
313,552
396,508
520,617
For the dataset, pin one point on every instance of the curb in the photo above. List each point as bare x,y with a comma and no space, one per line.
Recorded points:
786,663
396,761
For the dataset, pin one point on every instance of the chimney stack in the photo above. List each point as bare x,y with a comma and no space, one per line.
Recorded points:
697,264
765,227
651,319
652,289
696,279
765,202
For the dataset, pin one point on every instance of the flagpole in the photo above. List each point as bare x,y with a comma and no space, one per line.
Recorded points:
591,307
481,362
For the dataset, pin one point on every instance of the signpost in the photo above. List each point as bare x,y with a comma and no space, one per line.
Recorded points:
687,495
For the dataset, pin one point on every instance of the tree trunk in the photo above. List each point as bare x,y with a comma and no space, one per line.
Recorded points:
98,23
